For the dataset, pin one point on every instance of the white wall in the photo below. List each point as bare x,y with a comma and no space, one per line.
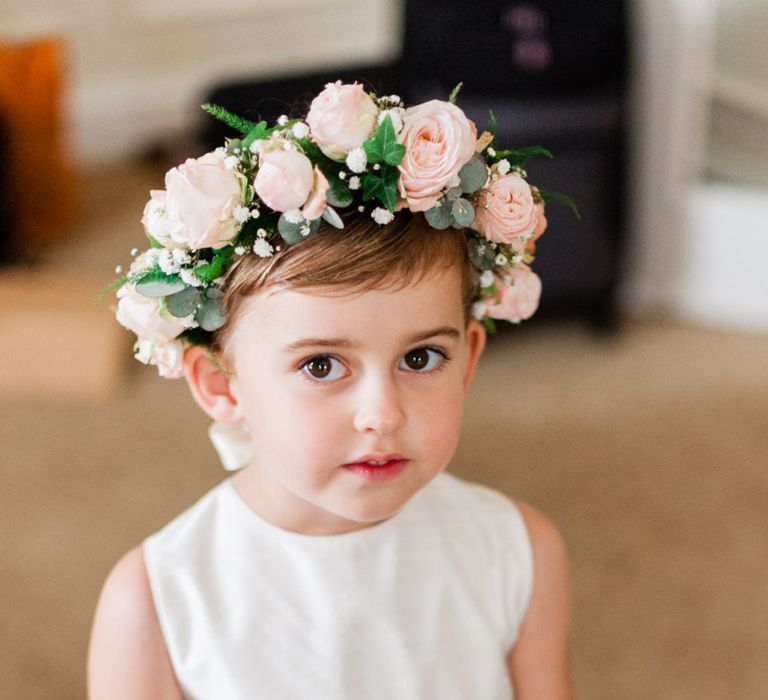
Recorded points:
138,68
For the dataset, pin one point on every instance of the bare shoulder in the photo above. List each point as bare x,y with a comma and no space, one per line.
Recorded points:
538,662
127,657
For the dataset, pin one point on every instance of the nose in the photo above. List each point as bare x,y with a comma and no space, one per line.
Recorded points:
379,407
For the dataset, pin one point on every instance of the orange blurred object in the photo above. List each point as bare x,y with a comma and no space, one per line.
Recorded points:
42,182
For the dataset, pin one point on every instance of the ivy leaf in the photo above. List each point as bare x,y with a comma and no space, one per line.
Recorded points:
489,324
383,147
214,269
561,199
258,133
382,186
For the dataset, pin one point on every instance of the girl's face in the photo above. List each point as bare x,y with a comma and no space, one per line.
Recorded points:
353,402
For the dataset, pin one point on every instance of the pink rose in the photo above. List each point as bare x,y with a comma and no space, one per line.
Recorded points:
145,316
285,178
505,210
519,297
340,118
317,202
195,209
438,140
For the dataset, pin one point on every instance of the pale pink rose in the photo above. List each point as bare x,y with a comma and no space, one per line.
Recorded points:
145,316
196,208
519,298
167,357
285,178
155,220
317,202
340,118
505,210
438,140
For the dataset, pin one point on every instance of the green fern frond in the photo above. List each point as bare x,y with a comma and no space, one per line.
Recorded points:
240,124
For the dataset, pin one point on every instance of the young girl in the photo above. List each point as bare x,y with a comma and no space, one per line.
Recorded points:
332,342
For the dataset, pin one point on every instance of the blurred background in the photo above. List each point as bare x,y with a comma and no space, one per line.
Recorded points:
633,409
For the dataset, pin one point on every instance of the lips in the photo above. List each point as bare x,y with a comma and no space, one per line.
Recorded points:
377,467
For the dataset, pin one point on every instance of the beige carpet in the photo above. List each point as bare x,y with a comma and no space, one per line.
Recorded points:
650,451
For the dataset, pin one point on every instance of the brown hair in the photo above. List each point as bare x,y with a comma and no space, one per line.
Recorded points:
364,255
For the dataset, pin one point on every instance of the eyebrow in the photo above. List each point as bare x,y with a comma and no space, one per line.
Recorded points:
304,343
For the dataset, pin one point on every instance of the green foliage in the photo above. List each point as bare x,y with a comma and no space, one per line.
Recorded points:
155,283
207,272
257,133
490,127
185,302
439,216
473,175
382,185
463,212
210,314
563,199
383,147
519,157
455,93
244,126
331,216
153,243
110,288
339,194
490,325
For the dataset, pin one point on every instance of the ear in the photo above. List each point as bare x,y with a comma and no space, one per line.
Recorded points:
211,385
475,340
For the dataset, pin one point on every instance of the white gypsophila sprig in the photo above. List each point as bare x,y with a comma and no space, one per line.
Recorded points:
354,183
486,279
396,114
241,214
503,167
300,130
382,216
357,161
190,278
294,216
263,248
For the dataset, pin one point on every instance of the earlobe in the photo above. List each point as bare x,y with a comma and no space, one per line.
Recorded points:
476,337
211,385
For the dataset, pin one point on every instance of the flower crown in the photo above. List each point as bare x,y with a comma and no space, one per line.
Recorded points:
273,186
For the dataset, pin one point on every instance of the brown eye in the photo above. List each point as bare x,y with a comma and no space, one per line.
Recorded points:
323,368
422,360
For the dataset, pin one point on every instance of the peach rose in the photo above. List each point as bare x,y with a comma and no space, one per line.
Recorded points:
317,201
196,208
519,298
438,140
145,316
505,210
285,178
340,118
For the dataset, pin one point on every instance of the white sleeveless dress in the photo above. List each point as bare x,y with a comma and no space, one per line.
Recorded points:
424,605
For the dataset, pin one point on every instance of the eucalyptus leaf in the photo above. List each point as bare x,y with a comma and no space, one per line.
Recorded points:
453,194
473,175
439,216
160,286
183,303
463,212
210,315
213,293
338,194
332,217
290,232
483,256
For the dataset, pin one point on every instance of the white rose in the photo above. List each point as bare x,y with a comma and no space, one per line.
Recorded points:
167,357
341,117
197,208
145,316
